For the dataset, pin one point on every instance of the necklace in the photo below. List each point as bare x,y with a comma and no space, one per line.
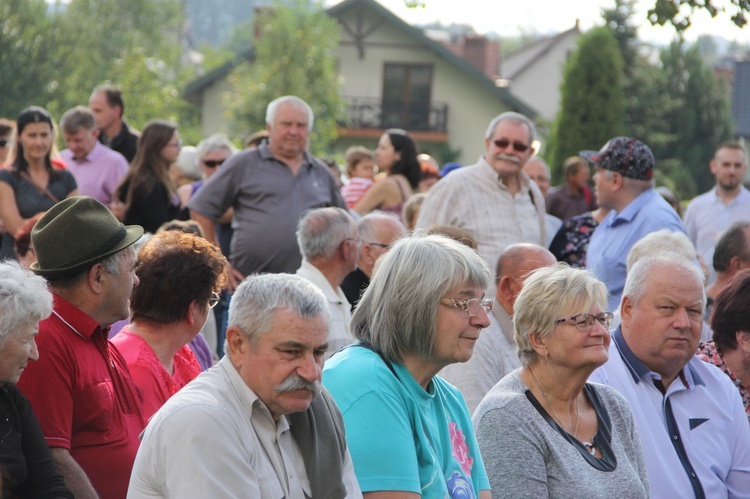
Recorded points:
590,447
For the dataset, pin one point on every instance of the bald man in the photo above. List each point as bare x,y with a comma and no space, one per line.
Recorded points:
495,353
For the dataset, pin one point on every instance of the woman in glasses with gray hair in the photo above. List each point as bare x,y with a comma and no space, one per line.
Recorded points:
408,430
543,430
26,465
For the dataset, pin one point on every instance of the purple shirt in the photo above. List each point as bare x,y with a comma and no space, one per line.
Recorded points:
99,173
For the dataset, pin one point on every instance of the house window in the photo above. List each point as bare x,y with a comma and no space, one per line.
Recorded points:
406,96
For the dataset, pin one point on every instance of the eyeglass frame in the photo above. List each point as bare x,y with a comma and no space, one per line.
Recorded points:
379,245
608,316
463,305
214,299
517,146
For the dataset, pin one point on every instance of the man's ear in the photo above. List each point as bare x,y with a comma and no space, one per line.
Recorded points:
627,307
237,342
95,278
505,289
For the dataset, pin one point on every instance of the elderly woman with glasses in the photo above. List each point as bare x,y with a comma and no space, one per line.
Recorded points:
543,430
26,465
179,275
408,430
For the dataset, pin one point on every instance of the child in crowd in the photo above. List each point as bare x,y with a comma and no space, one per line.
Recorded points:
360,168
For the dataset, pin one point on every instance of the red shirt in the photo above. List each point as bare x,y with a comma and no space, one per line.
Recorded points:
84,398
149,373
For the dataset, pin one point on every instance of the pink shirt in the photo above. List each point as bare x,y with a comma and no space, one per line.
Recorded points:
149,373
355,190
99,173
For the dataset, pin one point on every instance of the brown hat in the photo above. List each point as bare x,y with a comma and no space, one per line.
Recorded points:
76,233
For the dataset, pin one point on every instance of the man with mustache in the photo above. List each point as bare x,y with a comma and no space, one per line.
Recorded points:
493,200
689,414
258,424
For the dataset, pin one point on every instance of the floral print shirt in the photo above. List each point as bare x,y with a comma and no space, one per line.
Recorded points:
708,353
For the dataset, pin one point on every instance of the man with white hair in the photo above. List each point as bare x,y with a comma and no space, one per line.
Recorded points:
329,242
378,231
689,414
269,187
259,423
493,200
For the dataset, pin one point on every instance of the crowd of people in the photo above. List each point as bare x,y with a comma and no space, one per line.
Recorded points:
208,322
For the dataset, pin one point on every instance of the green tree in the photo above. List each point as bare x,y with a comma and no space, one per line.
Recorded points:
702,119
26,55
678,12
592,106
293,55
134,44
647,100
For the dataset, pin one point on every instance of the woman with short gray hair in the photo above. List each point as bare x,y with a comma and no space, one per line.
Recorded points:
26,465
408,430
575,439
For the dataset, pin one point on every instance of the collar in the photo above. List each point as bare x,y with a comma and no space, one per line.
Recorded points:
75,319
743,195
631,210
638,370
267,155
247,397
314,275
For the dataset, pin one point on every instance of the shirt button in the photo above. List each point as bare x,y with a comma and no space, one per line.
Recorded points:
675,437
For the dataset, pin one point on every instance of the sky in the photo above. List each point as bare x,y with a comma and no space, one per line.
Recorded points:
545,17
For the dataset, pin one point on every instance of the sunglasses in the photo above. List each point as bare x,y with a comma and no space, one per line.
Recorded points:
213,163
517,146
3,142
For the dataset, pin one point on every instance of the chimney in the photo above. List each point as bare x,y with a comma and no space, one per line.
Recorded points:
483,54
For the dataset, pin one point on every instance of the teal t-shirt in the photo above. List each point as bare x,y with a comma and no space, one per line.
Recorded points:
402,437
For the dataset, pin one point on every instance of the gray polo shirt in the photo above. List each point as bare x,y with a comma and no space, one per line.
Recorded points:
268,200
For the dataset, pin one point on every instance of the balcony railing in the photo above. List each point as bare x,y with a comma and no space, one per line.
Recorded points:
366,112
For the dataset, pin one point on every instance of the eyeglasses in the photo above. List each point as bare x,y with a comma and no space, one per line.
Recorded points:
3,142
585,322
471,307
213,163
517,146
379,245
176,145
214,299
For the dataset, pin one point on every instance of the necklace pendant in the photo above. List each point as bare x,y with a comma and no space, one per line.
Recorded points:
590,447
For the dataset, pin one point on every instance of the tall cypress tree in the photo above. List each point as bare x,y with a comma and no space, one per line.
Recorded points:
593,101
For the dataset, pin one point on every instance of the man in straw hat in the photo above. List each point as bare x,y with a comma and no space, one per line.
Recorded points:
81,389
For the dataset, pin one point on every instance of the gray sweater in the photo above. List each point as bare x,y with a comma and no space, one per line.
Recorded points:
525,457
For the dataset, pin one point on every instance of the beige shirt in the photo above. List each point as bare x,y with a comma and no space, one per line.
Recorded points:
216,438
476,199
339,334
495,355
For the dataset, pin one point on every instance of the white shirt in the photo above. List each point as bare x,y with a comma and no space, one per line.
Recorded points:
495,355
339,334
216,438
475,199
710,420
707,217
